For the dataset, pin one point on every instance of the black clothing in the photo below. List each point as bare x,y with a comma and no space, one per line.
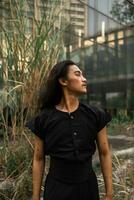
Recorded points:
57,190
69,139
70,172
69,136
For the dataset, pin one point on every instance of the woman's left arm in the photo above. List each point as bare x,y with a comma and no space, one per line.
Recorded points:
105,161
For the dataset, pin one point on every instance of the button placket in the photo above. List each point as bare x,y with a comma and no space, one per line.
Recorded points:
75,143
74,135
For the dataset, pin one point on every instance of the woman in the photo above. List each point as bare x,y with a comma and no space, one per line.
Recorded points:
68,131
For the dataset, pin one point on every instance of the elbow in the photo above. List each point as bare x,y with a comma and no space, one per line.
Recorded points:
39,157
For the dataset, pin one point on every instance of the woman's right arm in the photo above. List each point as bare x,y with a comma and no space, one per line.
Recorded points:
38,167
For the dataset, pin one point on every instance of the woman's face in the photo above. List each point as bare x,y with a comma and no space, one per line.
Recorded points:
76,83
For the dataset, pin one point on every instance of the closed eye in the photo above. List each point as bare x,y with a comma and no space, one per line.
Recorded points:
78,73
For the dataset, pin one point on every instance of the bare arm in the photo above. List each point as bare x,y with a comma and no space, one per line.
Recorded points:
38,167
105,161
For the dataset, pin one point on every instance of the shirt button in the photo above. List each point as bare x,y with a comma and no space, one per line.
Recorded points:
74,133
72,117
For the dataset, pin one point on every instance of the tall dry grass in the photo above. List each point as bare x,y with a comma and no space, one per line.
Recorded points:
123,179
27,56
29,47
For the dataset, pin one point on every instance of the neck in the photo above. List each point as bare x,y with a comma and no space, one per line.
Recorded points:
68,103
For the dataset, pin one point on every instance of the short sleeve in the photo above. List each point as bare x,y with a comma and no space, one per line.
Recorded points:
103,118
35,126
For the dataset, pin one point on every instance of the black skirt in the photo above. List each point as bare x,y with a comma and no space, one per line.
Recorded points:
56,188
59,190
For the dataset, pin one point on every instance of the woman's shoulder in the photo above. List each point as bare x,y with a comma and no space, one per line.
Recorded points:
101,115
45,113
40,116
91,108
96,110
37,123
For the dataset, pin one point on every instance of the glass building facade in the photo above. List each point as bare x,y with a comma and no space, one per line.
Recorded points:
106,54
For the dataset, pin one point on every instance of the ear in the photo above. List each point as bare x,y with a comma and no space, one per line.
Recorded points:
63,81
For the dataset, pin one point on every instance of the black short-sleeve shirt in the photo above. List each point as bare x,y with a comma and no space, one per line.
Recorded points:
69,136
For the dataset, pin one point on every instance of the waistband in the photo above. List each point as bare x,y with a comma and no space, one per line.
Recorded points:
70,171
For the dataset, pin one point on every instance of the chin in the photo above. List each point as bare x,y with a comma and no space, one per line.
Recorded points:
83,92
80,92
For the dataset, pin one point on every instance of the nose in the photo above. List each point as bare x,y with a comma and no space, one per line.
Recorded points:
84,79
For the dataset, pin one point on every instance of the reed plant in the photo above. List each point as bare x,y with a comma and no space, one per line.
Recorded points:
26,56
29,47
